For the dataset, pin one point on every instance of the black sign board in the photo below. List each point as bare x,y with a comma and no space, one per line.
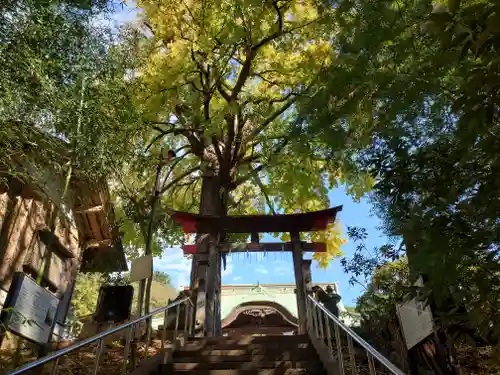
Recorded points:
114,303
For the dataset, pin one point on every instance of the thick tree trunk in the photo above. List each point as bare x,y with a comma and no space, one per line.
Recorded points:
433,351
210,204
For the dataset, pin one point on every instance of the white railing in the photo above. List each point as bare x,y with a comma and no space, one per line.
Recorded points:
132,327
321,322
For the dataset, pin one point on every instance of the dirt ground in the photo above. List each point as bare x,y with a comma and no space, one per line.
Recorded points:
83,361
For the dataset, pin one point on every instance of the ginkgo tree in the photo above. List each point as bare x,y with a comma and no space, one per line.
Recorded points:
219,86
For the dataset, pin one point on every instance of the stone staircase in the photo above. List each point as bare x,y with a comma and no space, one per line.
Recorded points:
246,355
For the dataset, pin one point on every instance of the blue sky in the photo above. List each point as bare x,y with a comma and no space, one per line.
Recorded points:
278,267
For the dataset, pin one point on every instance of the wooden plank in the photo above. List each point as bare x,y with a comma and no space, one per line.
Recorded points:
98,243
299,281
303,222
319,247
95,226
85,210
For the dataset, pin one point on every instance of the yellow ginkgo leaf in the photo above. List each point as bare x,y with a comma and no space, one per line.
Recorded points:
333,238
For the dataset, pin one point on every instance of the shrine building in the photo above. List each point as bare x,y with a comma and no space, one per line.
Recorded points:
262,308
52,226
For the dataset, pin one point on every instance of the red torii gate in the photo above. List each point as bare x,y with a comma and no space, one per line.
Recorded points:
206,259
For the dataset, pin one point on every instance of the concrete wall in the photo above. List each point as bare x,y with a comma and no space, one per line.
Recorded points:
284,294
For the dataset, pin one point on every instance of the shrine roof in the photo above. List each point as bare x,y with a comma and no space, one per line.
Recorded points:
301,222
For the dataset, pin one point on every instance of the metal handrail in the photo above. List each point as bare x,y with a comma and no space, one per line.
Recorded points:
101,336
315,325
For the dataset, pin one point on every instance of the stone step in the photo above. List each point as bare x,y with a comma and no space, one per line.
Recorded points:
275,371
293,353
200,345
254,339
292,340
252,365
299,355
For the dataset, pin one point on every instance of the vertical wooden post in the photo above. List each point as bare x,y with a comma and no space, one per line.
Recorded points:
201,293
299,280
218,290
306,269
211,287
60,326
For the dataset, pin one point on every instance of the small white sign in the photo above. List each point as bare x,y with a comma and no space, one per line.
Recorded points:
141,268
3,297
416,321
33,310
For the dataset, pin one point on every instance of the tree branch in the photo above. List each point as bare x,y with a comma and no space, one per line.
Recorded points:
193,201
164,132
247,177
245,72
239,137
172,88
252,51
172,183
155,139
150,29
190,13
161,123
277,33
196,144
250,159
223,93
271,101
215,142
273,116
131,195
243,179
263,190
226,161
181,148
173,165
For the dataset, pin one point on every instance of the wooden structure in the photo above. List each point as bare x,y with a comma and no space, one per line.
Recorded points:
211,231
259,316
53,226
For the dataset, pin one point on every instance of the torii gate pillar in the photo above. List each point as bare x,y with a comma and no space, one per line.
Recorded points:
299,280
201,298
306,268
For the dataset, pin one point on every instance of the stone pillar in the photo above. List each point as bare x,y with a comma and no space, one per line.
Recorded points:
306,270
299,280
202,292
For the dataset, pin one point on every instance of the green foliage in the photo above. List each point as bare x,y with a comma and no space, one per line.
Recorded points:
389,287
364,263
84,301
384,273
161,277
350,309
418,85
219,84
62,75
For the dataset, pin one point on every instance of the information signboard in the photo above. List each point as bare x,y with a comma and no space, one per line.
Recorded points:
31,310
141,268
416,321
